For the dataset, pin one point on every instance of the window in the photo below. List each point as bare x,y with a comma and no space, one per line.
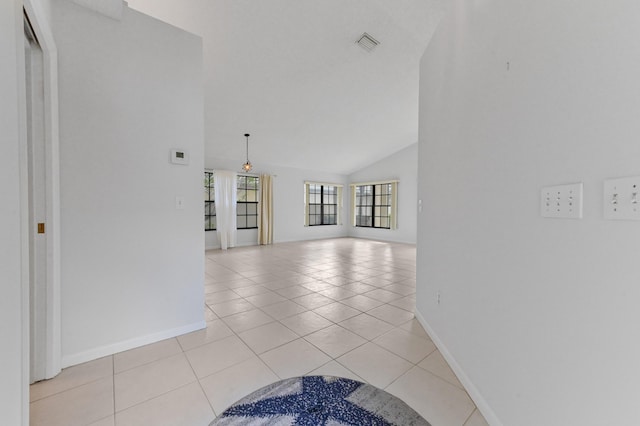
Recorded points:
323,205
374,205
209,203
247,204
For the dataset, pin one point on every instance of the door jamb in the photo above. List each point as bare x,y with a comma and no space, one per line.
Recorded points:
44,34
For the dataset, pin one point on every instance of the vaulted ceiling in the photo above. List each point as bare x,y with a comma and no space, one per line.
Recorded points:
290,73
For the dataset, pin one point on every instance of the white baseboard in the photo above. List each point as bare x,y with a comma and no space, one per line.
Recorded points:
484,408
382,240
217,247
79,358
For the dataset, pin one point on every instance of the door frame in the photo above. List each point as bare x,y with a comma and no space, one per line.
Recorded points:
40,24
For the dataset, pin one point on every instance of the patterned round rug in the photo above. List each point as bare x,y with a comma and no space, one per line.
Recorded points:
319,400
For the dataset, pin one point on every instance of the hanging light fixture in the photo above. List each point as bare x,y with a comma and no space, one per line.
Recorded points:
247,166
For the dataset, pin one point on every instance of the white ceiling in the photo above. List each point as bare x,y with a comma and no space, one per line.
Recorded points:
289,73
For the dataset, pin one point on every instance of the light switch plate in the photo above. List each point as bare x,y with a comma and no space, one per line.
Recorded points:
561,201
622,198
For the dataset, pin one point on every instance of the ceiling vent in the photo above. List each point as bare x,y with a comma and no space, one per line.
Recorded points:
367,42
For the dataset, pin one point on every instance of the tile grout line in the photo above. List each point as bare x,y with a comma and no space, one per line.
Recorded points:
198,381
331,358
330,263
161,394
71,388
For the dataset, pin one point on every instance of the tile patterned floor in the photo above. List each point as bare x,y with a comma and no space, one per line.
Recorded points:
340,307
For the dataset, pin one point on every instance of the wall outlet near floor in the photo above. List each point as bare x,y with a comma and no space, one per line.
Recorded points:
622,198
438,297
561,201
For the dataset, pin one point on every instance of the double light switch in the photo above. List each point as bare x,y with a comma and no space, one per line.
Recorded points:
622,198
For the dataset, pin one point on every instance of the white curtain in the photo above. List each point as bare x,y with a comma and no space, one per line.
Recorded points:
265,216
306,204
352,210
394,206
339,212
226,197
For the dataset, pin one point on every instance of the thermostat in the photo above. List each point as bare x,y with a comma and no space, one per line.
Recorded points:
179,156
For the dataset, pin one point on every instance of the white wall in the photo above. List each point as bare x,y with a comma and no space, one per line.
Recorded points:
111,8
288,203
14,325
131,263
403,166
540,316
44,7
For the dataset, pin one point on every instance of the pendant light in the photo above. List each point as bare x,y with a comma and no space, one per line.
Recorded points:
246,167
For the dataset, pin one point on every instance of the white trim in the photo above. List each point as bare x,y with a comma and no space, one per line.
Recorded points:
382,238
339,199
379,182
79,358
46,40
206,169
218,247
482,404
23,184
313,182
393,225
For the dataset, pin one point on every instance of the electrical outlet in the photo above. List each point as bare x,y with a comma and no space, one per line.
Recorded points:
438,297
622,198
562,201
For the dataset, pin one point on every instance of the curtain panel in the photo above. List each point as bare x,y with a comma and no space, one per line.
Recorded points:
393,216
265,212
226,197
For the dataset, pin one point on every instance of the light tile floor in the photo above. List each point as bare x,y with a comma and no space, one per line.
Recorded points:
340,307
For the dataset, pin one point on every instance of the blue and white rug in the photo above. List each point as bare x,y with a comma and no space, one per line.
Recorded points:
319,400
